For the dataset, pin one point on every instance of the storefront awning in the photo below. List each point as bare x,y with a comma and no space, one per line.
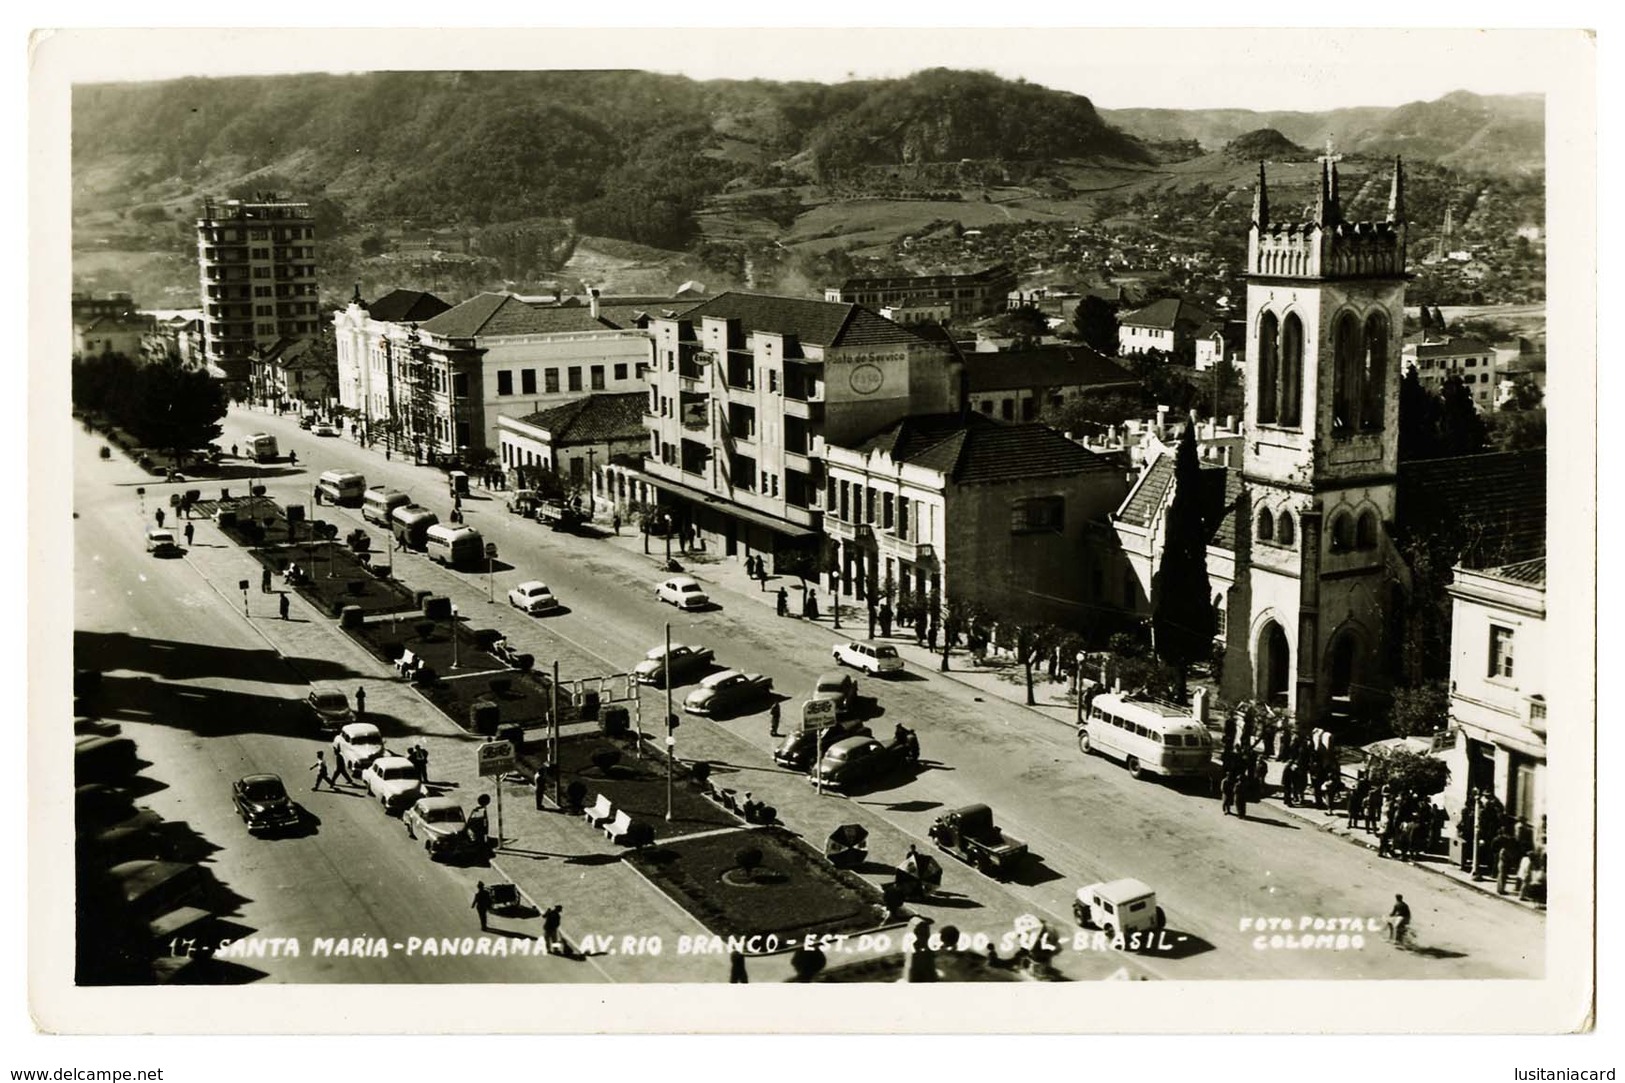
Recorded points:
729,508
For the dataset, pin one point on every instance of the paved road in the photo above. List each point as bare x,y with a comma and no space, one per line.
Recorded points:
1085,818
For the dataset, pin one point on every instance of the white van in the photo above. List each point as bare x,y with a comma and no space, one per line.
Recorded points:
1148,737
262,447
342,486
410,523
454,545
376,504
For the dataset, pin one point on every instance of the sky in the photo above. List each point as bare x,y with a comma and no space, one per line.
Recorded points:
1118,68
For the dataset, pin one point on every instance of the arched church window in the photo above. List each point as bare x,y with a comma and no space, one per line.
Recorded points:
1365,534
1269,369
1284,531
1342,532
1218,616
1266,526
1346,370
1374,378
1292,370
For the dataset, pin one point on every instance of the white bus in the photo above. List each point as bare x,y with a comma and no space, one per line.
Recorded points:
342,486
1148,737
262,447
376,504
454,546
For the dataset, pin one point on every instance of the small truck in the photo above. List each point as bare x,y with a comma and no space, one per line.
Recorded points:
969,834
560,514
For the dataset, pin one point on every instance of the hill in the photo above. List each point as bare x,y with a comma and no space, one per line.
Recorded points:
1265,145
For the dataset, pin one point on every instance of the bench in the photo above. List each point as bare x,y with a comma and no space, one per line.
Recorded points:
728,799
408,663
600,813
618,828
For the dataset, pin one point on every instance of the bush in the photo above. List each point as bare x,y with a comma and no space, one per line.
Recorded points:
615,722
351,616
426,675
356,587
605,759
424,630
419,596
256,490
701,770
483,717
484,638
748,860
254,533
575,794
337,606
226,517
640,835
392,649
1409,772
524,662
437,607
501,686
1418,712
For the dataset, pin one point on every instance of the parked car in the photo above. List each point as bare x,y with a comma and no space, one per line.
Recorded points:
151,888
331,709
1126,906
161,543
682,663
838,687
683,592
726,692
394,781
800,747
357,745
440,823
103,759
263,803
307,421
533,597
874,659
860,760
324,429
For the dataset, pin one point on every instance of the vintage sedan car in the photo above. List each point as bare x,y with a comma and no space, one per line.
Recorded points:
533,597
440,823
357,745
727,692
323,429
161,543
330,708
858,761
839,688
874,659
683,592
263,803
682,663
394,781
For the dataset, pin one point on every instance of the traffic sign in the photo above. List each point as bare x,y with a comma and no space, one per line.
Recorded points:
817,714
490,550
495,758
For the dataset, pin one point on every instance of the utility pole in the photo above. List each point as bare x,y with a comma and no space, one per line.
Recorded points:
553,732
671,734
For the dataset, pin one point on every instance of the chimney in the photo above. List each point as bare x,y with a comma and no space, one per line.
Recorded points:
592,295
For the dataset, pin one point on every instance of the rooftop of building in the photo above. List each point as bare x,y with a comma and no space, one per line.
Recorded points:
1221,494
1461,346
593,419
1166,315
972,448
492,314
1491,508
407,306
1527,572
1044,366
987,274
817,323
122,321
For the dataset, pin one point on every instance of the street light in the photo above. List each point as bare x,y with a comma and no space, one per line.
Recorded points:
454,664
671,719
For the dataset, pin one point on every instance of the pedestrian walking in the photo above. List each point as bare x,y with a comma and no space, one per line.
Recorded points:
919,627
293,458
360,704
811,608
615,521
931,636
188,532
320,767
551,939
482,904
1356,802
316,496
1227,792
540,782
885,619
234,451
265,580
341,771
783,604
773,719
159,515
282,604
1241,797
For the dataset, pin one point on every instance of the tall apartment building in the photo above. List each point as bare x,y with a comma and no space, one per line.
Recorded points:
980,293
257,270
744,392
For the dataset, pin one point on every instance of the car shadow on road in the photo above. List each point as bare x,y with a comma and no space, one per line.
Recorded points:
904,806
1270,821
949,900
175,660
1033,872
1428,952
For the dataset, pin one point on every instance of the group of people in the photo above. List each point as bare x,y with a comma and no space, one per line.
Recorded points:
552,918
1406,824
418,756
1506,847
809,604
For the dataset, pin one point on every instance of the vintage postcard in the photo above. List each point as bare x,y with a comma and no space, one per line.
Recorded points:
658,510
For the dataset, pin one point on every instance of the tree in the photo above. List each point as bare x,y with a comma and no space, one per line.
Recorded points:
1462,430
1408,771
1418,419
1096,323
749,860
1419,711
1526,395
1519,430
177,408
1182,611
1024,326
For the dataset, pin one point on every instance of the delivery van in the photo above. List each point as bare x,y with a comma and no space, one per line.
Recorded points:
262,447
378,503
410,523
455,546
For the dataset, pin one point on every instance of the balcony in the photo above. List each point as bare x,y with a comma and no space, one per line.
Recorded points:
904,549
797,460
696,416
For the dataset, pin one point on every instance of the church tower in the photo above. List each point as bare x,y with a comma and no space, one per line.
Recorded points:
1325,317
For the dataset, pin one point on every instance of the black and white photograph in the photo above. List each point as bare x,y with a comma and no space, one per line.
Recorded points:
655,510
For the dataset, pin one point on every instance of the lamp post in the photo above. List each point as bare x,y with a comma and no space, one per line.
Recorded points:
671,719
665,521
454,663
490,565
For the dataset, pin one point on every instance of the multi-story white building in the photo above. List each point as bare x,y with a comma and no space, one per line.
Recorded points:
1170,325
980,293
1497,687
1469,358
747,389
257,270
360,331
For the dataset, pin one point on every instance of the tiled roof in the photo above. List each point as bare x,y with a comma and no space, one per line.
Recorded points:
593,419
817,323
505,314
624,312
1452,348
1165,314
129,322
1063,366
914,434
1528,571
1144,501
997,452
406,306
1491,506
